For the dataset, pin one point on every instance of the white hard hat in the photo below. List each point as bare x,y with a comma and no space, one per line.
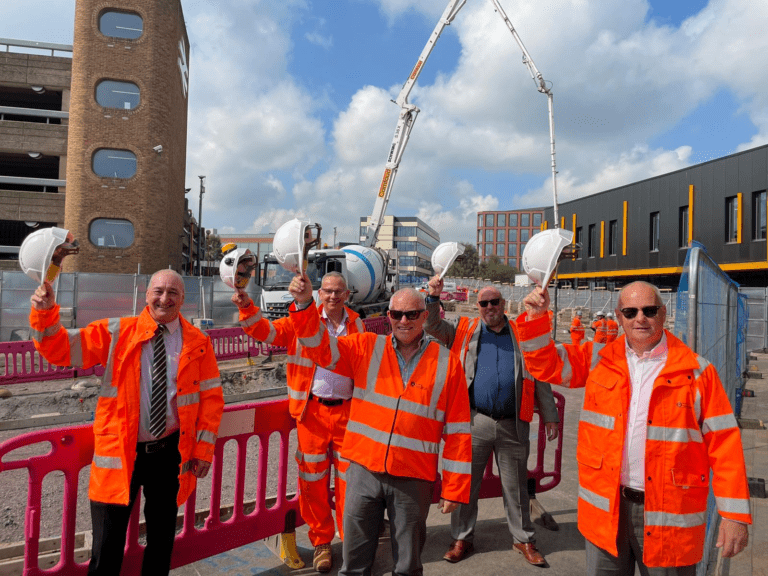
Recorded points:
578,312
236,266
610,315
543,252
42,251
291,244
599,313
445,255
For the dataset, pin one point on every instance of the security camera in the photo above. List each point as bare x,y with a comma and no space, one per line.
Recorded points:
158,148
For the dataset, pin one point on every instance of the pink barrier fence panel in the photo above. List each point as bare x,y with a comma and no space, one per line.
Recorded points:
378,325
231,343
22,363
71,449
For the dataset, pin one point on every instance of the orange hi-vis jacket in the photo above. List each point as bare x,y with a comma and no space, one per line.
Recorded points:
601,331
611,330
577,330
396,427
691,429
300,370
116,344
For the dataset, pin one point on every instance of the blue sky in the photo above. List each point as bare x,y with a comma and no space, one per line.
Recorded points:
290,112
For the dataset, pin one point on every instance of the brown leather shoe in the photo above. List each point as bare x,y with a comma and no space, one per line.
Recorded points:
530,553
323,558
459,550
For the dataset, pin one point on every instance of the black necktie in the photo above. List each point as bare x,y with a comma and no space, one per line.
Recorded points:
157,411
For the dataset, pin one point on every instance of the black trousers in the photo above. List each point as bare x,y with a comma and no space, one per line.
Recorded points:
158,474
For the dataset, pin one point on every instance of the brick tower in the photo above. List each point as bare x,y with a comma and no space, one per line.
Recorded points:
127,135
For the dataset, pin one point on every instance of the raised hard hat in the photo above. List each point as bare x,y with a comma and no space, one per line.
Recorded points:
288,245
42,252
543,252
236,266
444,256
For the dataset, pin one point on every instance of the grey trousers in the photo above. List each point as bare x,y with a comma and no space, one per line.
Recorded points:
499,437
406,501
630,546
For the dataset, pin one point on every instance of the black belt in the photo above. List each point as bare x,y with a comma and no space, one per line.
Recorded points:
172,440
497,418
327,401
636,496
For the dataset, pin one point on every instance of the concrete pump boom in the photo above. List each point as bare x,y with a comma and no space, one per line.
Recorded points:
409,112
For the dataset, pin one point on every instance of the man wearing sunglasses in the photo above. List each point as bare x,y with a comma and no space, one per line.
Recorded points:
319,400
501,411
654,423
409,395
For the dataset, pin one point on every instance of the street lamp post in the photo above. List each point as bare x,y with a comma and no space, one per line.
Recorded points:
200,235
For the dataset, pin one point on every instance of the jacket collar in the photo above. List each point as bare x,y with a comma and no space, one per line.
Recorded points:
146,327
679,356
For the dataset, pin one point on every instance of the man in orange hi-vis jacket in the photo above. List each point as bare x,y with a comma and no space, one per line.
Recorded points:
600,328
611,328
577,329
319,400
157,418
654,423
409,395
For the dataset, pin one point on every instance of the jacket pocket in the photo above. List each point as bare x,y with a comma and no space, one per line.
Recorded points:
689,479
589,457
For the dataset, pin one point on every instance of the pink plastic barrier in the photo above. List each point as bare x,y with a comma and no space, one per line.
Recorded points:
22,363
72,449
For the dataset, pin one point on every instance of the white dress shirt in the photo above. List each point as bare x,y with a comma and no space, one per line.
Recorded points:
173,342
327,384
643,370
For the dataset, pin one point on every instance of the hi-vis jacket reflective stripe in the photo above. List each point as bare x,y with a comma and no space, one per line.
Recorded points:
462,336
611,330
116,344
577,328
300,370
396,427
601,331
690,427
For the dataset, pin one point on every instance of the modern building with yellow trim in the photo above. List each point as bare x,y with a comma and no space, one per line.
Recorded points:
643,229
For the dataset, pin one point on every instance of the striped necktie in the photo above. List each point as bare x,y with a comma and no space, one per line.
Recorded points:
157,407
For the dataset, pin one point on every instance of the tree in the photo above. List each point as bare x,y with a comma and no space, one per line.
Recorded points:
467,265
494,269
212,247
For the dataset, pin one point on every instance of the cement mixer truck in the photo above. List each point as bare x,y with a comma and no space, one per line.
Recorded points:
372,276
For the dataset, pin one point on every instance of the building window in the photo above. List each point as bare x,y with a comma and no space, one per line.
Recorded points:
758,216
580,240
613,237
479,219
522,249
489,235
479,235
525,220
489,249
110,233
121,25
525,235
592,241
512,262
500,249
501,220
512,250
114,163
731,219
513,235
682,227
653,243
114,94
489,220
537,219
513,219
501,235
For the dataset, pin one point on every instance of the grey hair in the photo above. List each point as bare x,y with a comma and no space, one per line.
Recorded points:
409,292
334,274
655,289
170,272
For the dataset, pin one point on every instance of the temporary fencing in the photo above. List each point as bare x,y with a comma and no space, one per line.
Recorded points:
20,362
712,320
71,449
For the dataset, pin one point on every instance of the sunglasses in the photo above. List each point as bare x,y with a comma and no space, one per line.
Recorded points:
492,302
648,312
410,314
